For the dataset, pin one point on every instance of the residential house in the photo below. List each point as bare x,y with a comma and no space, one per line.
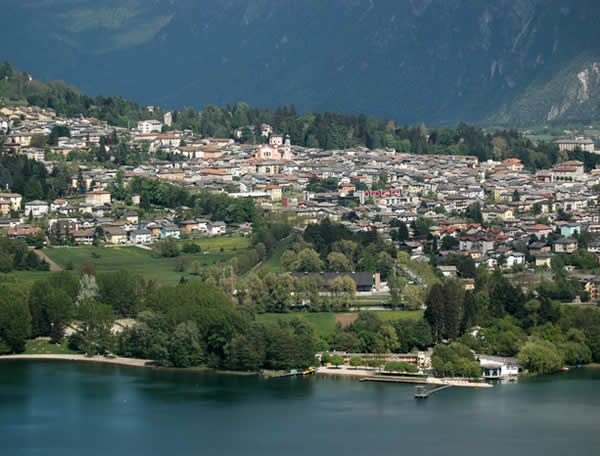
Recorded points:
36,208
514,258
540,231
83,237
170,230
98,198
543,260
565,245
569,229
141,236
216,228
115,235
448,271
14,199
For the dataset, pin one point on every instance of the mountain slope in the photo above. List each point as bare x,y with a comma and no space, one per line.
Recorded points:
437,61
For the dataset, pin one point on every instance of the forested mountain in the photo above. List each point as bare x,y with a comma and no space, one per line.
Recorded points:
438,61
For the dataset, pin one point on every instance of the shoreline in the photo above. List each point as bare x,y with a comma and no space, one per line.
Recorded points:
98,359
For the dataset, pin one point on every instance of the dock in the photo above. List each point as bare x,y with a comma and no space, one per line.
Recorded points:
310,371
422,393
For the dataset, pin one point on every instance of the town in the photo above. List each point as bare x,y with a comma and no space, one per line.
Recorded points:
447,215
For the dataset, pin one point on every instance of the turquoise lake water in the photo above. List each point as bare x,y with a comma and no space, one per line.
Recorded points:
60,408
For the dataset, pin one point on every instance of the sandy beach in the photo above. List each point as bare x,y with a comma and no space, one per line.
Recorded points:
132,362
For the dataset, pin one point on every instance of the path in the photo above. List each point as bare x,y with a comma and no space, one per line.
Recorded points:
42,256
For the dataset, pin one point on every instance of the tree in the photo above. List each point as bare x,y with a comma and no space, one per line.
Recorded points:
337,360
516,196
338,262
95,321
540,357
15,318
308,261
396,284
288,260
473,213
356,361
59,307
120,291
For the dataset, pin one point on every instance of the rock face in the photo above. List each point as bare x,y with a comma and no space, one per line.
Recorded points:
438,61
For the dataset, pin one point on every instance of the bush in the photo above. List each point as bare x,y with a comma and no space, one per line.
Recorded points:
191,248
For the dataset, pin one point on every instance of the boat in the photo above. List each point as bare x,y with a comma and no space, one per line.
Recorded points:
564,369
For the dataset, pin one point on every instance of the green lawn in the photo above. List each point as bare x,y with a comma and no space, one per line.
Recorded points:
23,276
215,244
133,259
323,323
387,315
44,347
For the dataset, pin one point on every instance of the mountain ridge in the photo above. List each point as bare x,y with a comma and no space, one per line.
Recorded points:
438,61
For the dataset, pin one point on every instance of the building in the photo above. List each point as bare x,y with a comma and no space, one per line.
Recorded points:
84,237
448,271
565,245
142,236
14,200
149,126
37,208
98,198
115,235
586,145
496,367
170,230
216,228
365,281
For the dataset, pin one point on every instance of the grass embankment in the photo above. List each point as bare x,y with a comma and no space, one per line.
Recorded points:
44,347
324,323
134,260
273,264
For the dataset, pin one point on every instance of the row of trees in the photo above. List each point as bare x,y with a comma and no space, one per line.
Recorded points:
282,293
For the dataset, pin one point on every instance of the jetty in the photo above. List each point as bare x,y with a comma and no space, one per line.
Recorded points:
295,373
422,393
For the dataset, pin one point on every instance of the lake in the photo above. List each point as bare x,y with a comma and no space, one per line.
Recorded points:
60,408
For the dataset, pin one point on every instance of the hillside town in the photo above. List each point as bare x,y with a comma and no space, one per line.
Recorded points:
497,212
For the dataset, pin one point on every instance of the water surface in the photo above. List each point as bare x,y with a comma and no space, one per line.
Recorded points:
60,408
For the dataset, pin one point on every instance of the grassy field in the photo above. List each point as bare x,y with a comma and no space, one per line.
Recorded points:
387,315
324,323
23,276
215,244
134,260
44,347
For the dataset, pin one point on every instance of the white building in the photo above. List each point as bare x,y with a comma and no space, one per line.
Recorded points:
586,145
216,228
496,367
140,236
149,126
36,208
3,124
